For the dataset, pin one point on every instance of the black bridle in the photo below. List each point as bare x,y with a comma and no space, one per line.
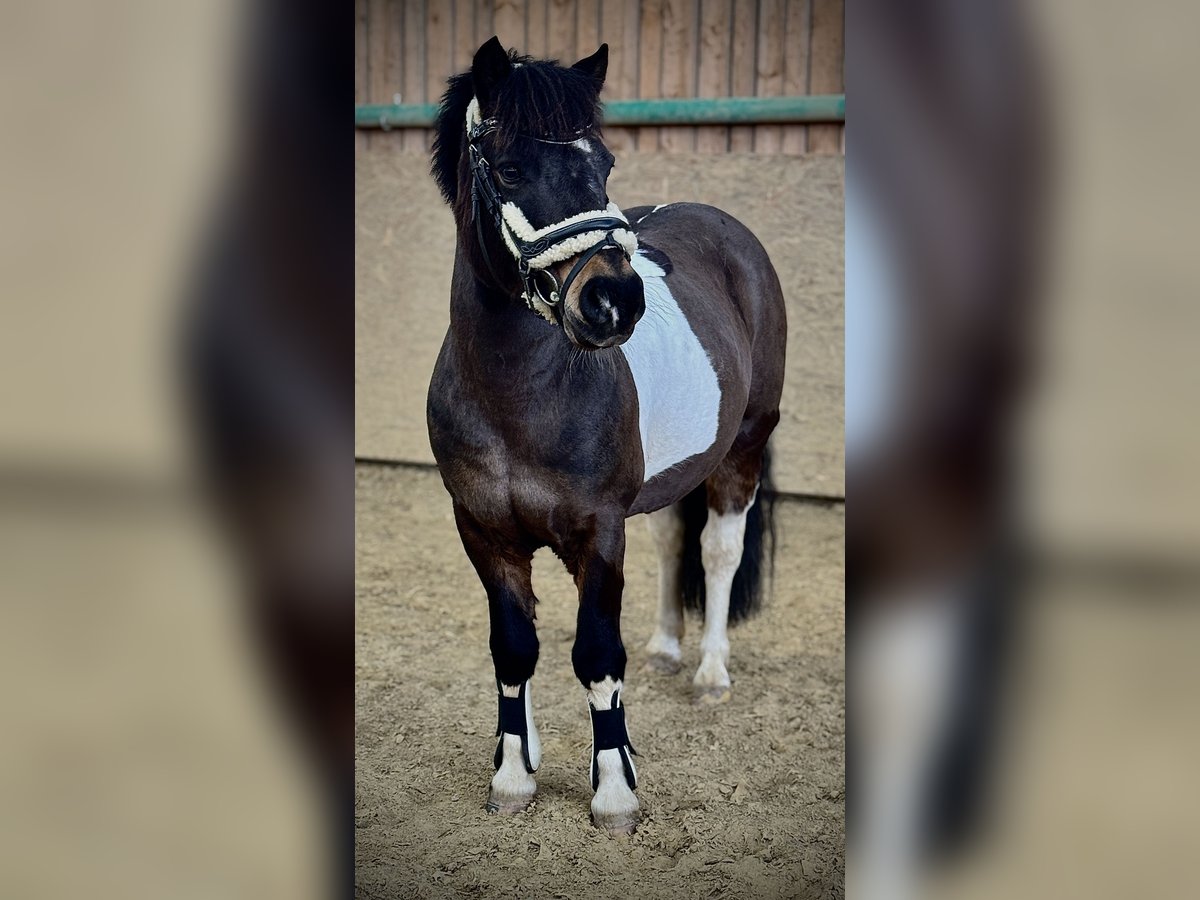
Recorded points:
484,189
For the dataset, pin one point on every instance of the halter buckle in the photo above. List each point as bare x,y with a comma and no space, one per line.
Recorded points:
530,281
485,126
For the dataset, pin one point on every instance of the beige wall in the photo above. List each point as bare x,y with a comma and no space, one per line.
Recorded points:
405,247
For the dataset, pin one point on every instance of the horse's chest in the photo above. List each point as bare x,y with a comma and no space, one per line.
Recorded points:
679,397
498,476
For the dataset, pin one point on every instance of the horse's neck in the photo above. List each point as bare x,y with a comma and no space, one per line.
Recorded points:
499,338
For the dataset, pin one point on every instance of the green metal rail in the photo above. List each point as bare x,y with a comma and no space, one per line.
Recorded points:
688,111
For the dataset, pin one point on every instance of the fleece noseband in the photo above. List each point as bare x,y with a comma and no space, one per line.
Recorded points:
535,249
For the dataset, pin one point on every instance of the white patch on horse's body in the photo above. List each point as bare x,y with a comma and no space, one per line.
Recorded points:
614,805
582,144
874,326
721,554
679,398
512,786
666,528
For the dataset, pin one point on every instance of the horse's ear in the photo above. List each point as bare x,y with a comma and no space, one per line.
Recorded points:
595,65
489,69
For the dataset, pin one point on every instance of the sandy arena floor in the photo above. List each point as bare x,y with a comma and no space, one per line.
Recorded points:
741,800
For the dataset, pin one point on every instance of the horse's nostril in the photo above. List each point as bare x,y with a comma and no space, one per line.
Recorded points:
596,306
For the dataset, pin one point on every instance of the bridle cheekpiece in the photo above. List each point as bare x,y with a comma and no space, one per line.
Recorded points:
536,249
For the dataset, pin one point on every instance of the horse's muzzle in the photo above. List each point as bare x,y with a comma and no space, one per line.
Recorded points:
605,312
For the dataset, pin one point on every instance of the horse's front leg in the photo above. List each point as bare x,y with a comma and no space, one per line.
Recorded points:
599,660
505,573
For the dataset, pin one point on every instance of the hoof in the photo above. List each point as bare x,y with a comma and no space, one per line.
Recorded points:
616,827
712,696
661,664
507,807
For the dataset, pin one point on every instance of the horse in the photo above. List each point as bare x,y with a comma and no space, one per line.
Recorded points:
599,364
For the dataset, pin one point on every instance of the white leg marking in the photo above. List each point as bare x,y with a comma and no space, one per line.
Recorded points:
721,553
614,806
904,668
666,528
512,786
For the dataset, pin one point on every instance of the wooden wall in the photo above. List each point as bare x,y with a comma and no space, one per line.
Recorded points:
405,50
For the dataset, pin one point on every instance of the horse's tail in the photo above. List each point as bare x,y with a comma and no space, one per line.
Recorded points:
758,549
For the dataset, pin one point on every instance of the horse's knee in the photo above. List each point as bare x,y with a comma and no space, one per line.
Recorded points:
596,657
514,644
599,652
721,542
515,666
666,530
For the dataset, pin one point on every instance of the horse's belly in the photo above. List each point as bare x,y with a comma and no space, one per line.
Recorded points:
679,398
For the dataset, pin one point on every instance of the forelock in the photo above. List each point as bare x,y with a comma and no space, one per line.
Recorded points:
544,100
539,98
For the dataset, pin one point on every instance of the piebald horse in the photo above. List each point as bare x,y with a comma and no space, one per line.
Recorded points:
599,364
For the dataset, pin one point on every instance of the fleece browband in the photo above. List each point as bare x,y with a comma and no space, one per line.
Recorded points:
538,248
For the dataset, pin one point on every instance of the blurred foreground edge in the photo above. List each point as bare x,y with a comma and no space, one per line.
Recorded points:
945,177
268,367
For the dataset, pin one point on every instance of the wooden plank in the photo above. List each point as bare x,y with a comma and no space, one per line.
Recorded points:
587,29
561,31
361,68
796,42
439,49
362,54
439,54
712,77
464,34
508,20
742,51
769,83
679,67
650,66
377,87
485,25
413,89
393,49
618,28
535,28
382,83
827,68
393,64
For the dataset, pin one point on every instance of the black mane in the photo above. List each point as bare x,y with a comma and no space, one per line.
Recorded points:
539,98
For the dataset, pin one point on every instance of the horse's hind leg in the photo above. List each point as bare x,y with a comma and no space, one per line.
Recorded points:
666,528
731,490
506,576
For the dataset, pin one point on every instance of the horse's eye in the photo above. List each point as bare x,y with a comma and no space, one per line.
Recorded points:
510,174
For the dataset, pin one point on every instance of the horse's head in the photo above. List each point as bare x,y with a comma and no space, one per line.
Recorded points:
519,156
